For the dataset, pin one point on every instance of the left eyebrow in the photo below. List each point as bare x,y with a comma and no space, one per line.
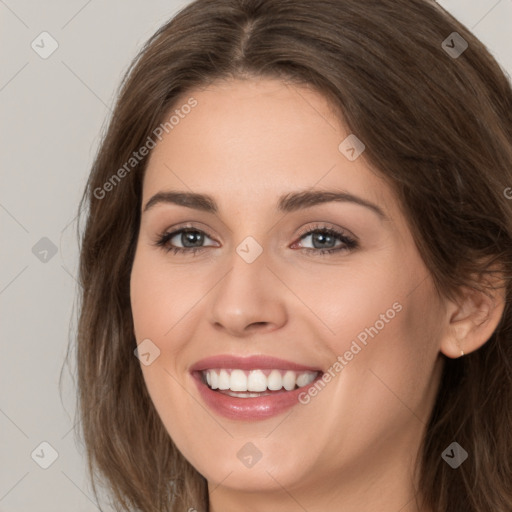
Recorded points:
298,200
287,203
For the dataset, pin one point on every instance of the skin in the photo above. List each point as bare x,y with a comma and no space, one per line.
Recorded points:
353,446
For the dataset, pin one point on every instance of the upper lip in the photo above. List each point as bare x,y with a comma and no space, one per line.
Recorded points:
230,361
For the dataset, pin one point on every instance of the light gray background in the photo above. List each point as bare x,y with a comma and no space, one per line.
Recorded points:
52,113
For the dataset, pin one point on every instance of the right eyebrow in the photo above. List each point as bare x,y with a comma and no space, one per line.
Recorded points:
189,199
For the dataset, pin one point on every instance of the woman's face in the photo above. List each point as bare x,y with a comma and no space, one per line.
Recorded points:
263,305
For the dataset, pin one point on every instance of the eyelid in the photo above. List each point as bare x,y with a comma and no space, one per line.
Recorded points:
319,225
188,226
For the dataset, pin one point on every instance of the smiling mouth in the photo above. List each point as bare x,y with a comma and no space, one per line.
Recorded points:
255,383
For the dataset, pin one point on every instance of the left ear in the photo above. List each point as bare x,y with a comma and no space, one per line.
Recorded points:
473,318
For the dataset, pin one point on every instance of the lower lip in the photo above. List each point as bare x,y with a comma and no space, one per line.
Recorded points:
249,409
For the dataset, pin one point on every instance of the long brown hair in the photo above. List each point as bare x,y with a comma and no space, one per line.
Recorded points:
437,126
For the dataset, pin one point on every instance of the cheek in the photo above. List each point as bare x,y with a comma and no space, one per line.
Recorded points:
393,377
383,342
159,301
351,304
160,297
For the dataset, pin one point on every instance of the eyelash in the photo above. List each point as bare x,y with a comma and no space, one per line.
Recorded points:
350,243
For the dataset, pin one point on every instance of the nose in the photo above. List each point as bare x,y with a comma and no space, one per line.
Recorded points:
248,299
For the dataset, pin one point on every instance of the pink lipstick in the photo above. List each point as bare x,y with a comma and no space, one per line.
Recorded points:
251,388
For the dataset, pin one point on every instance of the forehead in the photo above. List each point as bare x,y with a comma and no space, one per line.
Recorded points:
254,140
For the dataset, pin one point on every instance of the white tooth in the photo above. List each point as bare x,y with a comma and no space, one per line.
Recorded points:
274,380
257,381
208,378
311,377
238,381
223,379
245,395
289,380
305,378
214,378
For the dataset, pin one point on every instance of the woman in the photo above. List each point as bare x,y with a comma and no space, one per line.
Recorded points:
298,222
